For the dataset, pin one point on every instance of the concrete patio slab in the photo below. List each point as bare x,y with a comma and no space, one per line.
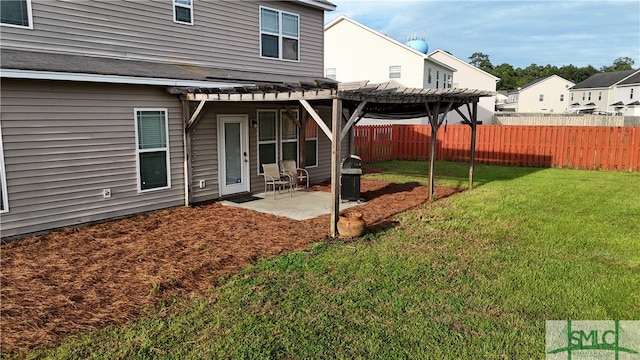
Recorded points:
304,204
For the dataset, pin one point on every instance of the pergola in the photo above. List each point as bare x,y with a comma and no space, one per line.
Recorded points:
351,101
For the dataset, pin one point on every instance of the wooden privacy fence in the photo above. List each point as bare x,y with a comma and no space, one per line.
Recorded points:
575,147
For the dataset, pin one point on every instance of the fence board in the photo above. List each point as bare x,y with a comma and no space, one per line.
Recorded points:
578,147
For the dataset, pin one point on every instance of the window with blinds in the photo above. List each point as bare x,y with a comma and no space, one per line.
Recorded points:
152,148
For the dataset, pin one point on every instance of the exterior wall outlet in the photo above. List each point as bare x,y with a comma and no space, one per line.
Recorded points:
203,183
106,193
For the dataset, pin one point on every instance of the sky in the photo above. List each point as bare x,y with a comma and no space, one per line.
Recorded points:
515,32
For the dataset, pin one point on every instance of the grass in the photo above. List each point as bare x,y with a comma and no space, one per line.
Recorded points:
471,276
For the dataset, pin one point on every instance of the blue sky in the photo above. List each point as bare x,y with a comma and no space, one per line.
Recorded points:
516,32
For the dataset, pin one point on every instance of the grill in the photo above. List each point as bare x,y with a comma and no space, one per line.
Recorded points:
351,171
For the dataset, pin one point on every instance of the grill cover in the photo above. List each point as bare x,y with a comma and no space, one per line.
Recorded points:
351,162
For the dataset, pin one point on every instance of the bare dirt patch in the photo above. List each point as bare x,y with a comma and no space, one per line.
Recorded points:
80,279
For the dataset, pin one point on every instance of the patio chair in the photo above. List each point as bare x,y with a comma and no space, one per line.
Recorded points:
275,179
296,174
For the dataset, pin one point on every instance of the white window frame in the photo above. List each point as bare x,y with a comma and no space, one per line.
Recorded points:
279,34
177,4
315,139
395,71
29,16
274,141
165,148
3,178
279,140
561,97
541,97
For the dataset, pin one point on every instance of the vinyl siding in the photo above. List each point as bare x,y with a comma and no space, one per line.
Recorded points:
225,34
551,88
204,144
66,142
204,159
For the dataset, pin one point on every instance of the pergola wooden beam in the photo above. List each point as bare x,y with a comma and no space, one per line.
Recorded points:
380,97
357,115
316,118
195,117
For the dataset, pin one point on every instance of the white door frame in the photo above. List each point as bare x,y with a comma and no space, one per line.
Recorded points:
244,184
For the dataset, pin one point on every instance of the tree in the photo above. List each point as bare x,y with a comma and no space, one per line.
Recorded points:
511,79
507,75
481,61
619,64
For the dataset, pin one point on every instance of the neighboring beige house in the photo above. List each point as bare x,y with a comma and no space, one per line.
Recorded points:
544,95
470,77
608,93
355,52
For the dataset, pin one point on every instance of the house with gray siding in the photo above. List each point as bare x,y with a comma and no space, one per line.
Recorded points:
97,123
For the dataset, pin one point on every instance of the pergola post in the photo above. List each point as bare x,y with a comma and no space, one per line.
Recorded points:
186,143
435,124
472,160
335,164
472,121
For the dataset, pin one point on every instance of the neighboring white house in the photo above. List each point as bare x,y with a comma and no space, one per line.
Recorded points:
470,77
544,95
609,92
355,52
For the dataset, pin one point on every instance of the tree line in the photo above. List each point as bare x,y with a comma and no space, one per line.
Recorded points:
511,78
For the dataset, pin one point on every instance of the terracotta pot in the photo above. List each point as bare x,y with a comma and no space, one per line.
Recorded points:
351,224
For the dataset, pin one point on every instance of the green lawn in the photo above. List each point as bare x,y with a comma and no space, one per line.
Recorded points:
471,276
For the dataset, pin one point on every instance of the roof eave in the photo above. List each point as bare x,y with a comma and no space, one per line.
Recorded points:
324,5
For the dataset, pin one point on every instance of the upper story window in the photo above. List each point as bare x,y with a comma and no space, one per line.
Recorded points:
541,97
330,73
395,71
279,34
631,94
429,76
16,13
183,11
589,95
561,97
571,96
600,95
583,95
437,79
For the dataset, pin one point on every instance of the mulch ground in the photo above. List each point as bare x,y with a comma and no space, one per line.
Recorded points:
80,279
